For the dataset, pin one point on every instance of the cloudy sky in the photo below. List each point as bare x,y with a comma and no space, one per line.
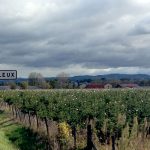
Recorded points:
75,36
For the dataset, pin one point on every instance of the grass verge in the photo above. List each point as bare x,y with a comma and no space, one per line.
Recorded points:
14,136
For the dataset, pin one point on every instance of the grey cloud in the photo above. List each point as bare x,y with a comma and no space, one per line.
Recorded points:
141,28
92,34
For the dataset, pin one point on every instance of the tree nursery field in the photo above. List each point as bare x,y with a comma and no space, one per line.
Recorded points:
83,119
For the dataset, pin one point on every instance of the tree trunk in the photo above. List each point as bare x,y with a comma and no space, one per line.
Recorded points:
74,136
46,124
47,130
19,114
1,105
16,112
29,118
37,121
89,138
113,142
13,111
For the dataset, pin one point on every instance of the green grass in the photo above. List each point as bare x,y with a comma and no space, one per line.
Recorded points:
6,126
14,136
25,139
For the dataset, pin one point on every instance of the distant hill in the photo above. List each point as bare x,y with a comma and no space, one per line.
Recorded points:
97,77
113,77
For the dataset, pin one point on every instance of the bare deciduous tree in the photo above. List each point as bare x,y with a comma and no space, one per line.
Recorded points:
36,79
63,80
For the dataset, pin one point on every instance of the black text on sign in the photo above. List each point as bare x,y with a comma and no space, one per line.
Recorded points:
8,74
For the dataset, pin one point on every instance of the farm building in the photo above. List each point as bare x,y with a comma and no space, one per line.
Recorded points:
129,85
107,86
95,86
98,86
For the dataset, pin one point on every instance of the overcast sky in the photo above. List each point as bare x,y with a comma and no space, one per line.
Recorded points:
75,36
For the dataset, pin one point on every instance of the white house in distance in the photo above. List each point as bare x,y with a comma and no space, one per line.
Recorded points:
107,86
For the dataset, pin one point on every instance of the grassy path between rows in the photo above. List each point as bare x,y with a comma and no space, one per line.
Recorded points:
14,136
7,125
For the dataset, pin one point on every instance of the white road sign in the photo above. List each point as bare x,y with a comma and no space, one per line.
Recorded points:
8,74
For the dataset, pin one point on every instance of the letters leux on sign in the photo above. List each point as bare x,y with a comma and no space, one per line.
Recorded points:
8,74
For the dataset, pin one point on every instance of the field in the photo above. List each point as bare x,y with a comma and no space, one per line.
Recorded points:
84,119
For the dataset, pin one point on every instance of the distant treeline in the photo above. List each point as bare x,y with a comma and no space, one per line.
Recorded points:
62,80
